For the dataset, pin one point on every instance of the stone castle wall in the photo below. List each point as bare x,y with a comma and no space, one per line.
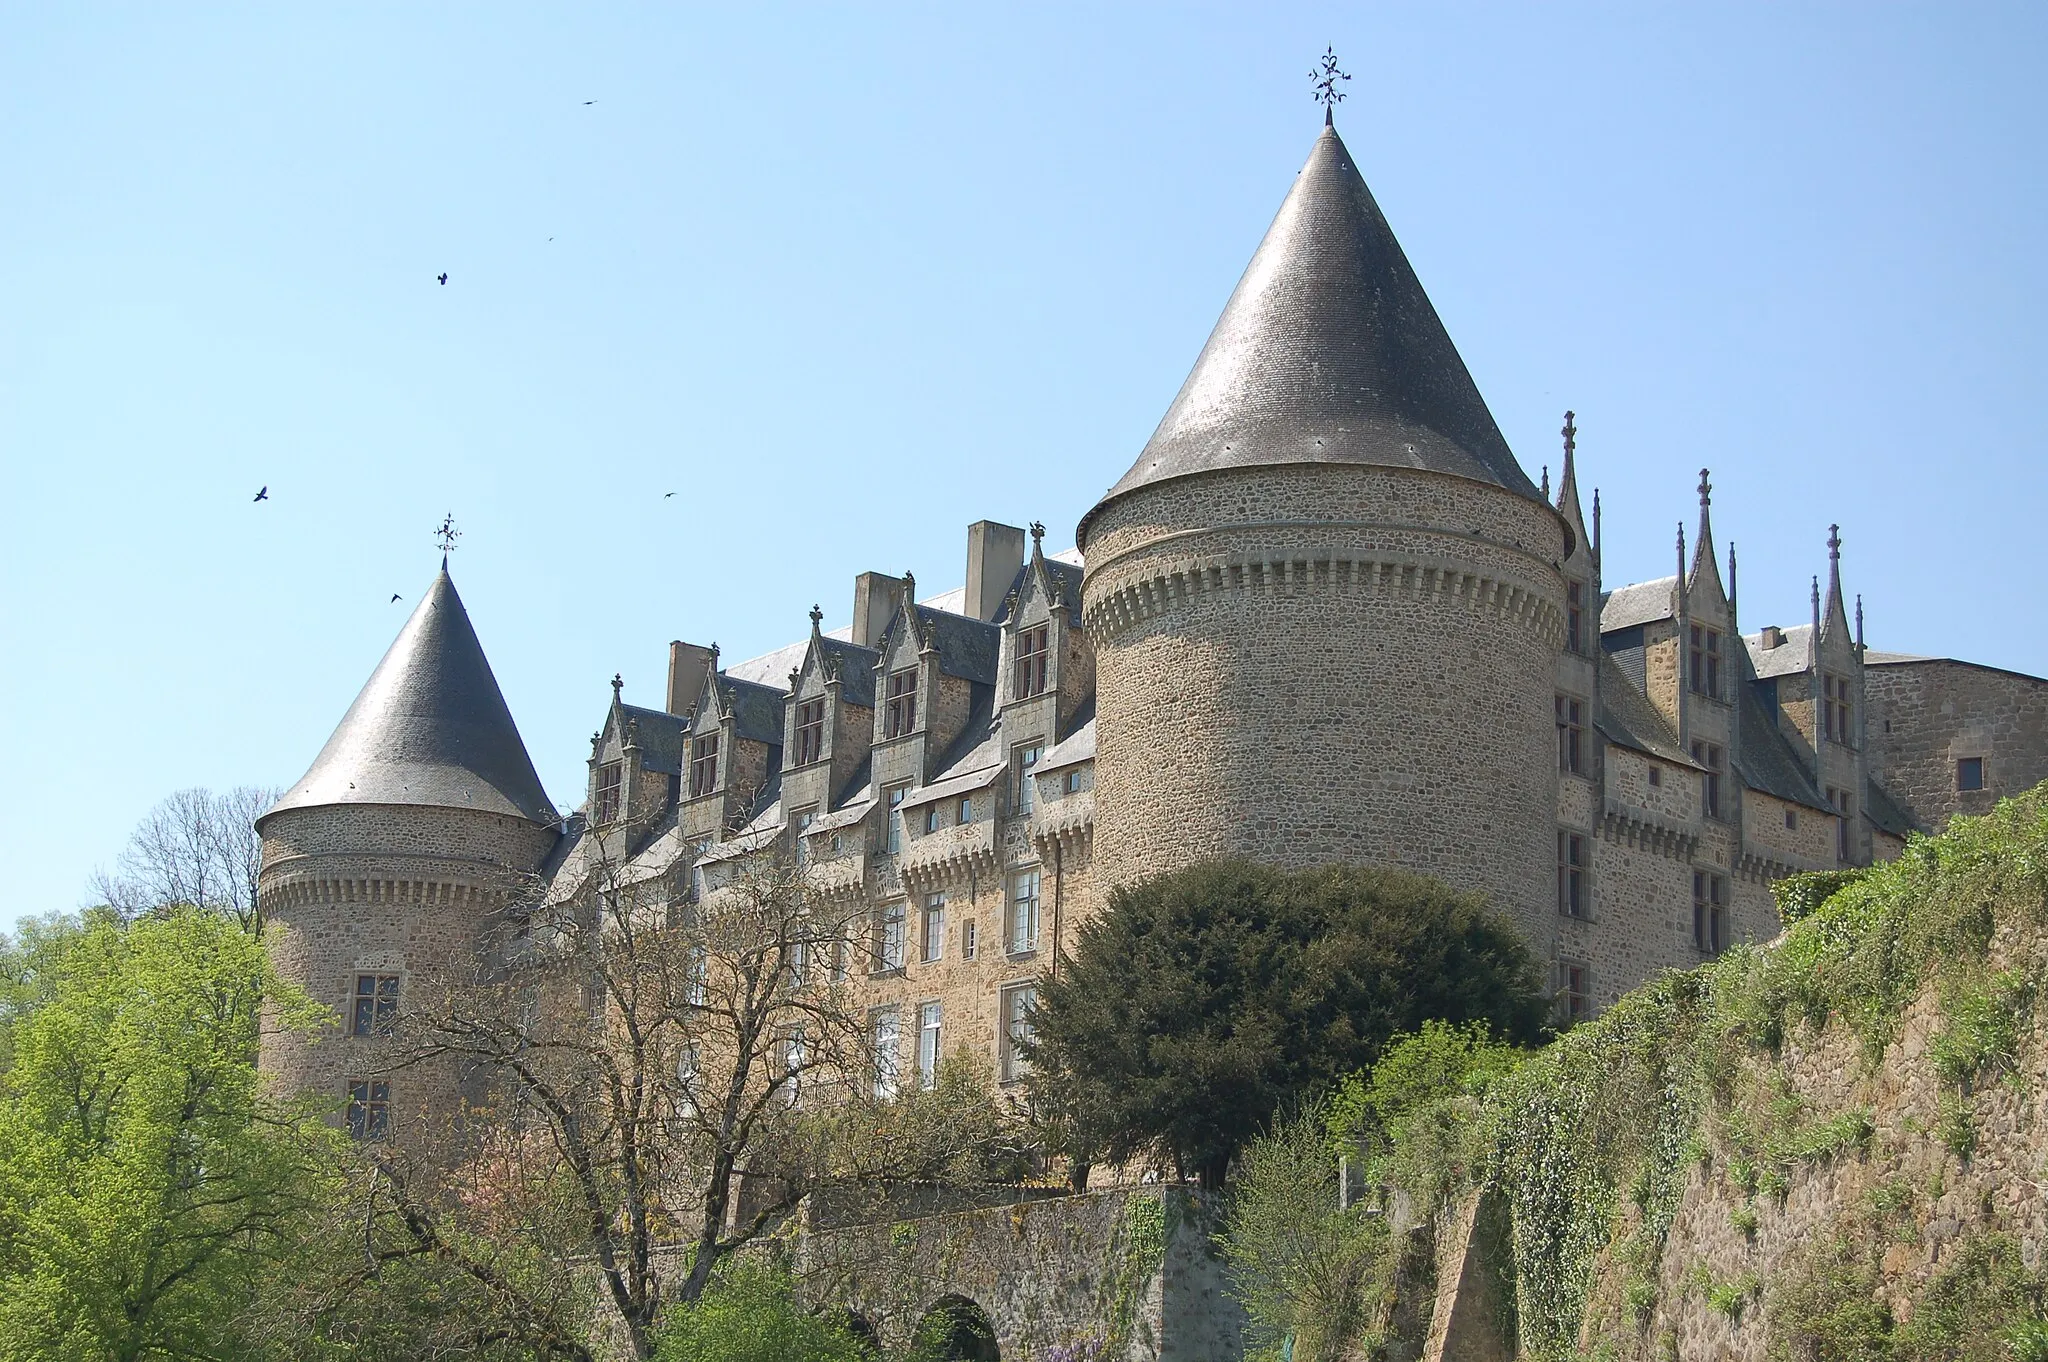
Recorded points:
1925,716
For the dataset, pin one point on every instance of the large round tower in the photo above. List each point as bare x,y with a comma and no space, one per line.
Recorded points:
1326,601
420,818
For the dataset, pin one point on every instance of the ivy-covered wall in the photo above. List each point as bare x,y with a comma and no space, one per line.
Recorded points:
1122,1274
1829,1147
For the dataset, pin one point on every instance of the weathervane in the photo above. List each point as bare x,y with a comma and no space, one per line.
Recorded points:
447,534
1325,78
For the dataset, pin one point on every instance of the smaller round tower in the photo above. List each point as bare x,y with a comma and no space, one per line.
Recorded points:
421,817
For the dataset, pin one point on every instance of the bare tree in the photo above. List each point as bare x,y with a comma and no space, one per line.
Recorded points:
196,847
673,1067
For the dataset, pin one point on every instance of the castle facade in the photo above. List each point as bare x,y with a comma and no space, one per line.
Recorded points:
1326,616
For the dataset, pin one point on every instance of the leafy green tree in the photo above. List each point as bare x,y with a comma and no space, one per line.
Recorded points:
1204,1000
1302,1266
145,1180
750,1313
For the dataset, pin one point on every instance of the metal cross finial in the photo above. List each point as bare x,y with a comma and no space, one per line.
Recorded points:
447,534
1324,78
618,684
817,616
1571,435
1037,532
1706,488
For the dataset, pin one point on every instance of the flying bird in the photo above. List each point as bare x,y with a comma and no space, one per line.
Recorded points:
443,276
395,596
666,495
263,494
588,102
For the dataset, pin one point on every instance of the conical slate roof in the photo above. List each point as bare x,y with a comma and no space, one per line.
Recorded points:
430,728
1328,352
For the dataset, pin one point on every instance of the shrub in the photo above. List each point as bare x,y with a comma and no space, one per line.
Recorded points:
750,1313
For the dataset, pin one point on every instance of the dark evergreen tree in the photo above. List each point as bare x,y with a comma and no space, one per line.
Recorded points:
1204,1000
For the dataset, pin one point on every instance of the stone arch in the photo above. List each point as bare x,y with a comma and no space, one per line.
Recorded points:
863,1331
958,1330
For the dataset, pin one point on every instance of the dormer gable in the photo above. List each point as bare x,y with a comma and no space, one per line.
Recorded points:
1581,565
735,750
1045,653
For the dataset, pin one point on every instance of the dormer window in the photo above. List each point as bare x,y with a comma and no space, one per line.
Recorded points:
703,766
810,732
610,777
1031,660
1706,662
901,715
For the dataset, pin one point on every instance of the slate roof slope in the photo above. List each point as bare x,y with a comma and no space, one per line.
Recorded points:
1766,761
1638,603
1627,717
968,647
429,729
1791,656
756,709
1328,351
856,670
1884,812
661,738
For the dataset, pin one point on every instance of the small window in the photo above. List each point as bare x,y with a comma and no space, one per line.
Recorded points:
1023,789
1791,820
965,813
1031,659
1845,813
967,939
800,823
1708,754
1970,773
704,766
1023,933
1575,998
1571,734
1656,777
369,1108
688,1071
893,836
1837,710
888,1051
1709,912
931,817
934,934
1019,1002
696,976
1575,616
810,732
1706,661
795,1057
1072,783
889,936
1572,897
376,1009
901,715
839,954
928,1051
610,778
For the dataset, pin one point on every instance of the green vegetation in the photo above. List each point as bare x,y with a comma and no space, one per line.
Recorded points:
1202,1001
146,1184
1589,1143
750,1313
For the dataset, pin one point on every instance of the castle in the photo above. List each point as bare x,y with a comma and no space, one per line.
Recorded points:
1325,616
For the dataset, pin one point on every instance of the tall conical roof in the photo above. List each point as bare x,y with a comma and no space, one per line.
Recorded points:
430,728
1328,352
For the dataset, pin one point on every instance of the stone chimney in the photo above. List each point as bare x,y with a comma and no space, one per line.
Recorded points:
1773,637
874,605
688,665
994,554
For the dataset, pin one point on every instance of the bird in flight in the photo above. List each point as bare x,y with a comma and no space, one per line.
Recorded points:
443,276
395,596
588,102
666,495
263,493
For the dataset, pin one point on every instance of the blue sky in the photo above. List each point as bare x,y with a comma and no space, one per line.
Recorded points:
847,278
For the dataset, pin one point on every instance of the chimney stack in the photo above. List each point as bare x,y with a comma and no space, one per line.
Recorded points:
688,665
874,605
1773,637
994,554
